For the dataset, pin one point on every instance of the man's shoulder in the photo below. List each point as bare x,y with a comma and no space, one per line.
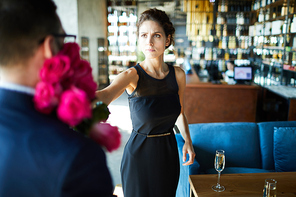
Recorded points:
51,136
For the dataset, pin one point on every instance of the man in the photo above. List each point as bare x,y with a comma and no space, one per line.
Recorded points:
39,155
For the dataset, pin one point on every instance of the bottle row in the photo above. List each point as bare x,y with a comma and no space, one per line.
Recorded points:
215,54
235,6
257,4
238,18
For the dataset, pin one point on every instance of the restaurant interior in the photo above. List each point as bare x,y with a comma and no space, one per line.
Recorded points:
257,37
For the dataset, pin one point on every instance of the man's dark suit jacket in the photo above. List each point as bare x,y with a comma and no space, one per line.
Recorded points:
42,157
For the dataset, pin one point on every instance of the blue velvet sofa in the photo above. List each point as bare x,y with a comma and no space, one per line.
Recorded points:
249,148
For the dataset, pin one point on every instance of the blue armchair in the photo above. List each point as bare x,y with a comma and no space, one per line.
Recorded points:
249,148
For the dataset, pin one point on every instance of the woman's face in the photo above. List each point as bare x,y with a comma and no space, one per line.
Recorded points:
230,66
152,39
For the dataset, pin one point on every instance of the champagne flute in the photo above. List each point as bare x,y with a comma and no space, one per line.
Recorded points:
219,166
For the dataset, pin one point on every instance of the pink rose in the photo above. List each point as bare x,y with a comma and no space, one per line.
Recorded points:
106,135
74,106
68,82
87,84
82,69
55,69
84,79
71,49
46,97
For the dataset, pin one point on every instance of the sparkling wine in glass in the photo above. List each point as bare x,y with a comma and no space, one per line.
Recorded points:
219,166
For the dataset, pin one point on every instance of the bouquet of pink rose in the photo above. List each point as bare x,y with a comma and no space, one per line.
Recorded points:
67,87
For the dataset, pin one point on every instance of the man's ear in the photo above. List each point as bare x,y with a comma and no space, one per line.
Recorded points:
48,47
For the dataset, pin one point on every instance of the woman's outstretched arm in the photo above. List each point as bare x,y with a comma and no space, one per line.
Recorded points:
127,80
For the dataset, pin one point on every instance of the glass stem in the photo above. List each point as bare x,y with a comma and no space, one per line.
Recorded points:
219,179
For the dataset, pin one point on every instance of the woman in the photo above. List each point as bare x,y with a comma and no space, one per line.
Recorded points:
229,74
150,164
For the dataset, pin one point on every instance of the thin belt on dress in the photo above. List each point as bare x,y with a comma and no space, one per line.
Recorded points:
155,135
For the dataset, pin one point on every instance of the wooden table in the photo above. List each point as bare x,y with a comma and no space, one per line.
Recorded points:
250,184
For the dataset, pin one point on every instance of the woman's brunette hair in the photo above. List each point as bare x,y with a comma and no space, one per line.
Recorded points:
161,18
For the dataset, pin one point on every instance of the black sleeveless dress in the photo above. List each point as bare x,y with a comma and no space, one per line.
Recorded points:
150,164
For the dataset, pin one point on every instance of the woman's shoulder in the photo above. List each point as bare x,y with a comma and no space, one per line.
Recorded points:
130,72
126,77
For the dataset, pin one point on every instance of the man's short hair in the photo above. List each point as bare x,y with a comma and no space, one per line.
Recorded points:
23,25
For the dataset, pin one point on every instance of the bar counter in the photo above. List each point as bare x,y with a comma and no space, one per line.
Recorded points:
284,98
207,102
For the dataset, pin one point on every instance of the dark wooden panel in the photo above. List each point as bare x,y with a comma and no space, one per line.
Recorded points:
206,102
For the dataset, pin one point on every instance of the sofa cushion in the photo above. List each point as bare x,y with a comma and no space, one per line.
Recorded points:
239,140
266,130
239,170
284,149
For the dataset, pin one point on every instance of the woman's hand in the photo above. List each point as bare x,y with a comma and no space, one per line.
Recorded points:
188,149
